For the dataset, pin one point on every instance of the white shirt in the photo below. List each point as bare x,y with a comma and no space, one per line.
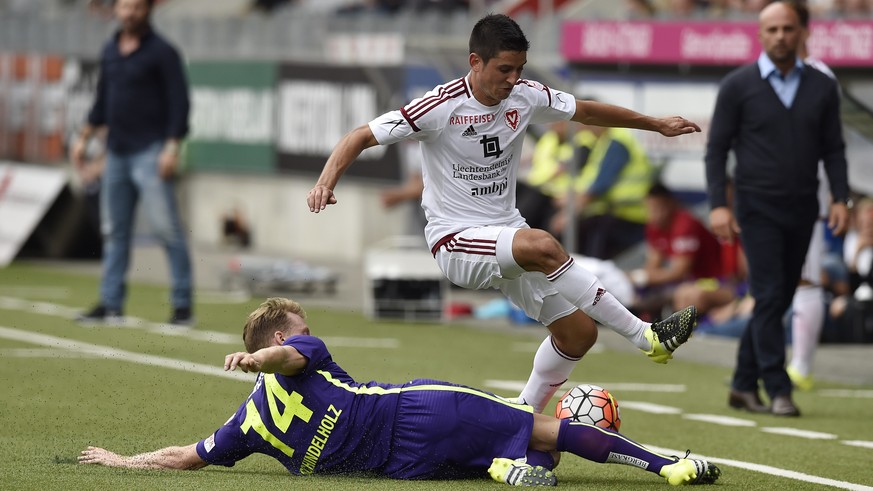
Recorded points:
471,152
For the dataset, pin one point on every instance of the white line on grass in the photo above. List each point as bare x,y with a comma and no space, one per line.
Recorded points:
718,419
766,469
860,394
120,355
649,407
42,353
858,443
187,366
128,322
56,292
518,385
812,435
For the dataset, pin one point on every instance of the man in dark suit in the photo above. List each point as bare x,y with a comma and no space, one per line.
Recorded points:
780,117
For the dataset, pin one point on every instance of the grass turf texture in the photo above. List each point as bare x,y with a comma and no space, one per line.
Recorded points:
54,406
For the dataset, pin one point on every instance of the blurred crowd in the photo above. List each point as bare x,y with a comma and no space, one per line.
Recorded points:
740,9
634,9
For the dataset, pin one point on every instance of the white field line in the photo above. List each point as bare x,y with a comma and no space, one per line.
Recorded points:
719,419
43,353
518,385
766,469
858,443
55,310
56,292
120,355
854,393
812,435
648,407
186,366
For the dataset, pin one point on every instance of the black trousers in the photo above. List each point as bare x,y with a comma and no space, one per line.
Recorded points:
775,234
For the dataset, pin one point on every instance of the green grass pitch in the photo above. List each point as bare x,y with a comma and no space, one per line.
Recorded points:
57,401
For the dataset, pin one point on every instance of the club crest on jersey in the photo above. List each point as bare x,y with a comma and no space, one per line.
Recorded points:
511,118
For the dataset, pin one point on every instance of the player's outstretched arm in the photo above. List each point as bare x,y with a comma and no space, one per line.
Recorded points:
285,360
181,458
600,114
345,152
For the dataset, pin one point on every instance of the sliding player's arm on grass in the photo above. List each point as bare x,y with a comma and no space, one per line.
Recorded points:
274,359
181,458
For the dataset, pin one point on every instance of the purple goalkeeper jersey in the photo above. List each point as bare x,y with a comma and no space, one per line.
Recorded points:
322,421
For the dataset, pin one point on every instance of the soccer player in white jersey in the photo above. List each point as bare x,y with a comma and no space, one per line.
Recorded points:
471,132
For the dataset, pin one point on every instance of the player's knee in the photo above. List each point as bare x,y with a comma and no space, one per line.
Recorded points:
538,250
575,334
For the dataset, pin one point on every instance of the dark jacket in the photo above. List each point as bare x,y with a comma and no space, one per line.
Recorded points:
777,148
141,97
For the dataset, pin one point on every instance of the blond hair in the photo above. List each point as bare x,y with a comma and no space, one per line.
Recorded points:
268,318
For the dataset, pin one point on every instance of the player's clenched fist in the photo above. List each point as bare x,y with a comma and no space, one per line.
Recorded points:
247,362
319,197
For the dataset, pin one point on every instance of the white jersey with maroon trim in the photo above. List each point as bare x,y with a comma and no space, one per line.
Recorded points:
470,151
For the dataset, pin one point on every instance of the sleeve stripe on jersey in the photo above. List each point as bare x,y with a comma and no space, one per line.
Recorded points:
446,92
544,86
408,119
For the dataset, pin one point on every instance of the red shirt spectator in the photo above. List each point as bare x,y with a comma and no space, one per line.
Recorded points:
686,236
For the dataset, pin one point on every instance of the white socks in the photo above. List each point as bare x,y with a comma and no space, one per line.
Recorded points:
584,290
551,368
806,325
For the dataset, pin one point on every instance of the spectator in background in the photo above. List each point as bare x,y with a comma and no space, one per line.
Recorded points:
609,193
640,9
858,255
780,117
853,9
679,251
142,100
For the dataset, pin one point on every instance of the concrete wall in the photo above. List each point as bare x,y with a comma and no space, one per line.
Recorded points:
280,221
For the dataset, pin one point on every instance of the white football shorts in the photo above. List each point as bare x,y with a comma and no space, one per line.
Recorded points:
481,257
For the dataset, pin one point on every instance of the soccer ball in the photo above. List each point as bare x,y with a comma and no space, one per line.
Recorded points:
590,404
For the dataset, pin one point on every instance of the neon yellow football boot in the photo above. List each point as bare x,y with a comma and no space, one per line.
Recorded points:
670,333
690,471
802,382
517,473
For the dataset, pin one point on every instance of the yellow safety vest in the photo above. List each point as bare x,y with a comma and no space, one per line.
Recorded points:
625,198
548,170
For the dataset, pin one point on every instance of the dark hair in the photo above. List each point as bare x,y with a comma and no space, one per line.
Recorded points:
799,6
495,33
658,190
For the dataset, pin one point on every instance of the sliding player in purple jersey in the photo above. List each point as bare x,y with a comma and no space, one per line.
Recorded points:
310,415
